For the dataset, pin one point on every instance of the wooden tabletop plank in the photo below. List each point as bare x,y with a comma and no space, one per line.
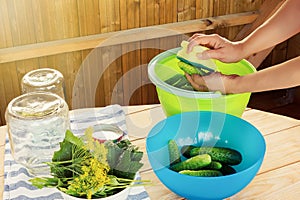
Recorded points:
268,122
139,124
157,190
138,108
282,149
283,183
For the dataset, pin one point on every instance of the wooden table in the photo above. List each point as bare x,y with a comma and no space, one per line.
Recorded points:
278,178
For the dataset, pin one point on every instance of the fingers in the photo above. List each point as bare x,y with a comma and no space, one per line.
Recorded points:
213,42
211,82
208,54
220,48
199,85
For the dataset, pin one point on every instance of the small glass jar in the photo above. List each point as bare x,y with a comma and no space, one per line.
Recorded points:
44,79
36,123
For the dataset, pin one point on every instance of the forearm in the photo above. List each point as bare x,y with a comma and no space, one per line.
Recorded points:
284,75
278,28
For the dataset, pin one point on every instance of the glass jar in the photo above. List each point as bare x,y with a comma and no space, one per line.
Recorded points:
36,123
44,79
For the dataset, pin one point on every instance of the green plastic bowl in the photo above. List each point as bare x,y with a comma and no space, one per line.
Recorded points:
175,100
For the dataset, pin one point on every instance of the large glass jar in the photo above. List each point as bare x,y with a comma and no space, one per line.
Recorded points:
36,123
44,79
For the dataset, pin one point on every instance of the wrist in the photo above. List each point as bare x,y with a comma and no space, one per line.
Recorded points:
237,85
242,49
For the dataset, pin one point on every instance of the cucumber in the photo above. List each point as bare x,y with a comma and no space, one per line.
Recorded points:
181,82
189,69
221,154
194,163
186,149
227,170
188,86
174,79
202,172
174,154
214,165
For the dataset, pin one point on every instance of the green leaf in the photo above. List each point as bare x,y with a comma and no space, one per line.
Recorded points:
73,139
70,149
124,161
66,147
135,166
113,154
136,155
128,162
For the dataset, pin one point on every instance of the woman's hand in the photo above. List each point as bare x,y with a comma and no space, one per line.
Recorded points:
214,82
219,48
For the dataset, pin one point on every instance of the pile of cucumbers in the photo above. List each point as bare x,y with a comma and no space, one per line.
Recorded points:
203,161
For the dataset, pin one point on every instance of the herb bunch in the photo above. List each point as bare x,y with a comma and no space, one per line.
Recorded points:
88,169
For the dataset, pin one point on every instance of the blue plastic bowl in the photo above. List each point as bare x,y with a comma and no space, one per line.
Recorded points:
206,128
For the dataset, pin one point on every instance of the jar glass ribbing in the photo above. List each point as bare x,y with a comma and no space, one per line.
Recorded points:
36,123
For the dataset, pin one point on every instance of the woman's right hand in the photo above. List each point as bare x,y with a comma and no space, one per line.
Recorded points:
219,48
226,84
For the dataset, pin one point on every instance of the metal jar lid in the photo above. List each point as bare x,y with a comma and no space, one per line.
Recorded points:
105,132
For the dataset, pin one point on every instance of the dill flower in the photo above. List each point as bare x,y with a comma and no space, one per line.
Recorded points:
92,180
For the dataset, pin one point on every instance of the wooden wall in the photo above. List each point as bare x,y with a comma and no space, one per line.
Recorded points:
124,81
285,101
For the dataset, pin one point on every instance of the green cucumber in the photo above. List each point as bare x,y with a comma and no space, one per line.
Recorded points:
186,149
181,82
202,172
188,86
194,163
227,170
221,154
174,79
189,69
174,153
214,165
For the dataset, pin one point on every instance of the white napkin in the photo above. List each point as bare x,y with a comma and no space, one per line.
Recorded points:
16,184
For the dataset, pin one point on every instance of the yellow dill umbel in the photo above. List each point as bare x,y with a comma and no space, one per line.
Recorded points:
93,178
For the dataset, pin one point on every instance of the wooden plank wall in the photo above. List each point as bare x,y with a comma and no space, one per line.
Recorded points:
280,99
33,21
